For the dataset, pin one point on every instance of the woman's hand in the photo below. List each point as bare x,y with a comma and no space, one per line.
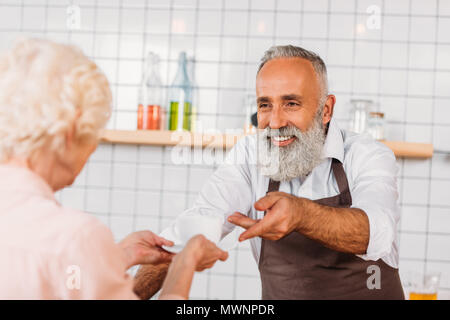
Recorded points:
144,247
204,253
198,255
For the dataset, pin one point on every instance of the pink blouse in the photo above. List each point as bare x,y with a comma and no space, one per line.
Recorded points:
51,252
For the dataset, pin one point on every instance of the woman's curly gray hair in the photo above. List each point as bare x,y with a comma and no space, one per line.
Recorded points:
46,89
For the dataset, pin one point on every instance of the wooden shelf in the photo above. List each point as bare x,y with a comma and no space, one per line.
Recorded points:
403,149
171,138
226,141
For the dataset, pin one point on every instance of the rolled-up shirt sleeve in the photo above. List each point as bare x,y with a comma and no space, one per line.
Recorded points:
229,189
375,192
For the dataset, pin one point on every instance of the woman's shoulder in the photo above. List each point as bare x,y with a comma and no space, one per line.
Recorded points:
65,227
78,222
47,229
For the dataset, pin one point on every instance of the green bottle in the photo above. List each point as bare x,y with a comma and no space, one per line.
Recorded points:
180,95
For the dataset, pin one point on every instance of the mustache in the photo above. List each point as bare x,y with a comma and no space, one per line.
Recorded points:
283,131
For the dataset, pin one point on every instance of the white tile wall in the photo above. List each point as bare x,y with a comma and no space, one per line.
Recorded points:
394,55
393,82
236,22
442,79
315,25
404,66
247,288
420,83
418,133
73,198
124,175
221,287
439,192
97,201
99,174
367,54
148,203
412,246
419,110
441,169
122,202
438,247
199,286
414,218
421,56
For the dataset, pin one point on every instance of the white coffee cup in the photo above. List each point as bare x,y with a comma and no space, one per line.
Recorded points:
195,222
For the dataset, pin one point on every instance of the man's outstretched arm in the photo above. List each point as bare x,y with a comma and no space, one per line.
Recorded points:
341,229
149,279
198,254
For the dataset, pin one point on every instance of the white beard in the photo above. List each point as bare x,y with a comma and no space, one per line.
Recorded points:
297,159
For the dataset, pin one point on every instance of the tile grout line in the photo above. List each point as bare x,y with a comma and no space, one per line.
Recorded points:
428,208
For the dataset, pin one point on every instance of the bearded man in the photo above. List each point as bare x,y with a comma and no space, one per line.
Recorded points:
319,203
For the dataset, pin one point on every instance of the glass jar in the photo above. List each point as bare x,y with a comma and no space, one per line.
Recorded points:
376,125
180,109
360,115
150,111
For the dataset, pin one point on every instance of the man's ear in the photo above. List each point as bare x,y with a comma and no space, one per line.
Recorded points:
328,109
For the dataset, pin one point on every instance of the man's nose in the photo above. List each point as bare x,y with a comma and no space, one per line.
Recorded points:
277,119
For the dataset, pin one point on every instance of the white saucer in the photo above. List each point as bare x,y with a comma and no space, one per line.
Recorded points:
176,248
228,243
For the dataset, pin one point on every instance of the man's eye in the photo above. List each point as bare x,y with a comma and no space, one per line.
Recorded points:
263,105
293,104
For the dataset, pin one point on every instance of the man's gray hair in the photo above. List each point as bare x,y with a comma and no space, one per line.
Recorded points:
289,51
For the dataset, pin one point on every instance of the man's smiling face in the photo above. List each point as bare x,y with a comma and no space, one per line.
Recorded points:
288,94
292,111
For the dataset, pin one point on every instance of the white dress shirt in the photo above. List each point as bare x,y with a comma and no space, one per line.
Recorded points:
371,171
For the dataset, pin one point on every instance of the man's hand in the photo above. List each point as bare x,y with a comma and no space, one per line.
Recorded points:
340,229
283,215
144,247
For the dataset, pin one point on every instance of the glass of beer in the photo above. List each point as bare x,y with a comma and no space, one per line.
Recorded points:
424,286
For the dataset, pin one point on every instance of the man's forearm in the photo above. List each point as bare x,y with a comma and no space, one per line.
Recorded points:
341,229
149,280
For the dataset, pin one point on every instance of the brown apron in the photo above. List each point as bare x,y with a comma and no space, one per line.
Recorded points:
296,267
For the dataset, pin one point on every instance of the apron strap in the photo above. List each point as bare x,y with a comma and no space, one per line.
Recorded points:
342,182
273,186
339,174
